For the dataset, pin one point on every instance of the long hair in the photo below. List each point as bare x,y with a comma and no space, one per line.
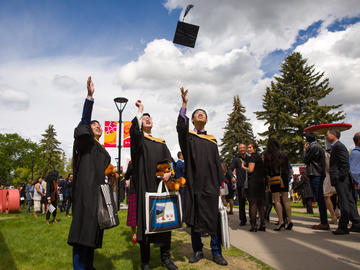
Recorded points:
272,154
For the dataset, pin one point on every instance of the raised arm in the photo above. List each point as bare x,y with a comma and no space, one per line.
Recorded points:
182,126
136,134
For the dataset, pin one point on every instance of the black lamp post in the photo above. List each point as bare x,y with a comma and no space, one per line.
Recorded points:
120,103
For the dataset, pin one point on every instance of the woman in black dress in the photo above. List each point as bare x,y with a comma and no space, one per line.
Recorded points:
256,187
277,164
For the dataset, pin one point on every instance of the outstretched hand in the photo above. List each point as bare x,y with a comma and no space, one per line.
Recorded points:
90,87
139,105
184,96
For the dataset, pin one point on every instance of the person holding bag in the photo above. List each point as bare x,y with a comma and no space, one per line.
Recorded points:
90,159
146,152
277,171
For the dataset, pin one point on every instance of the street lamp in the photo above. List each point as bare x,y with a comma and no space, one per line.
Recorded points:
120,103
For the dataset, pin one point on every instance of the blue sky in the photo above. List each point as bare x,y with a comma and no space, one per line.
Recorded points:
99,28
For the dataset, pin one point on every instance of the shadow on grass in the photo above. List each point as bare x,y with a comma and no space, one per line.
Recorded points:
7,261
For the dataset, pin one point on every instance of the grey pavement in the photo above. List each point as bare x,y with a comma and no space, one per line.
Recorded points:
301,248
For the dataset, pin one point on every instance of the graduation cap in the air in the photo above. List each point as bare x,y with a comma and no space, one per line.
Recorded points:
186,33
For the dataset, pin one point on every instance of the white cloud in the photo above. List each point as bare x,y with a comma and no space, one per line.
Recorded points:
13,99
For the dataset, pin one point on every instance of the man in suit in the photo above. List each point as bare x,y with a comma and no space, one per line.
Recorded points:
342,181
240,180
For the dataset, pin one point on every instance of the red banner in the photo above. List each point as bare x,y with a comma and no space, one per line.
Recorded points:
126,138
110,133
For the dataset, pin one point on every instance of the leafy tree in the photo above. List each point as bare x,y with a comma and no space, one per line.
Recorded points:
238,129
52,155
16,152
291,104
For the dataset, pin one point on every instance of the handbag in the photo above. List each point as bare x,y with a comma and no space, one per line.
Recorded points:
276,180
107,210
224,190
225,235
163,210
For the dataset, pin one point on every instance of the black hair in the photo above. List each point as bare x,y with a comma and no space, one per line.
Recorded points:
193,114
254,145
53,175
94,121
335,132
70,174
272,155
356,138
146,114
310,137
178,154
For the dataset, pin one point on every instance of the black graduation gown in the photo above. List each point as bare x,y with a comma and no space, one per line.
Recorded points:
90,161
204,176
146,152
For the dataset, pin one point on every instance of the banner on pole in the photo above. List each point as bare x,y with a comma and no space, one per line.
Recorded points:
126,138
110,133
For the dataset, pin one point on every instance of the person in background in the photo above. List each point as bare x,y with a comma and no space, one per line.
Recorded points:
68,193
329,190
43,199
256,187
39,192
355,164
51,194
341,179
239,179
180,172
277,166
314,158
61,191
131,216
22,191
228,198
29,191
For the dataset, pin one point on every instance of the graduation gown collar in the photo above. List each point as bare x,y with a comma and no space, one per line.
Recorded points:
210,138
158,140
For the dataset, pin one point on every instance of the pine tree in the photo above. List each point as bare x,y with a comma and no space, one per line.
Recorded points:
291,104
52,155
238,129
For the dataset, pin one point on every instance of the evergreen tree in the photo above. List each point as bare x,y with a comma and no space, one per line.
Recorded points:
291,104
52,155
238,129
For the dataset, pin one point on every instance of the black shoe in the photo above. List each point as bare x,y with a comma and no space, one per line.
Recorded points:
355,228
262,229
219,259
145,266
340,232
290,226
253,229
169,264
282,226
242,223
205,235
198,255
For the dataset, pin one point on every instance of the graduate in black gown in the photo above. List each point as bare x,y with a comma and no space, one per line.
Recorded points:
90,160
146,153
204,176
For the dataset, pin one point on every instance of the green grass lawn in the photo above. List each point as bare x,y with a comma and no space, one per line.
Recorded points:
29,243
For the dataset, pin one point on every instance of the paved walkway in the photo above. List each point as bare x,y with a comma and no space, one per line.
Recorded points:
302,248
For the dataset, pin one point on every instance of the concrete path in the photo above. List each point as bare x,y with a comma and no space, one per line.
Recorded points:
302,248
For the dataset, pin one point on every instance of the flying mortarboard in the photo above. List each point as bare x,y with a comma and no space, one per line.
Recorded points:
186,33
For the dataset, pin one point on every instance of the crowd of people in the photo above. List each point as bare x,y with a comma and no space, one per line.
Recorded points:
258,179
44,192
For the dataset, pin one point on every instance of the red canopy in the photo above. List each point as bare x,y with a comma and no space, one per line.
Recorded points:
321,129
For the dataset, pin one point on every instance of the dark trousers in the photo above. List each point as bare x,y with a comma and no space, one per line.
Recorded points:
68,204
257,206
83,258
346,202
28,206
197,244
307,202
63,204
54,213
317,185
145,252
242,203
